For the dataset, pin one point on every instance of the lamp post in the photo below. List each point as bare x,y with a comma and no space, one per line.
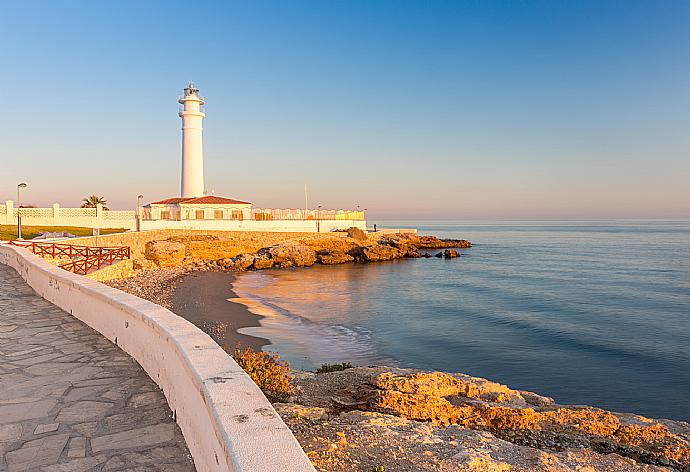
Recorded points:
318,219
20,186
138,215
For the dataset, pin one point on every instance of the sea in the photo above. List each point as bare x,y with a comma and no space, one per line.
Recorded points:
587,312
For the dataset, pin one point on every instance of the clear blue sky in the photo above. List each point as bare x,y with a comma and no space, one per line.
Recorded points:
477,109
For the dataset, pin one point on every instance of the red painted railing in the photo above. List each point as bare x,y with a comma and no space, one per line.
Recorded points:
84,258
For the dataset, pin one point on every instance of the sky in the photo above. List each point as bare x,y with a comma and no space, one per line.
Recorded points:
412,110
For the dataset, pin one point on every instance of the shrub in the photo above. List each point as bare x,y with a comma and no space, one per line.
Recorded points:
268,372
333,367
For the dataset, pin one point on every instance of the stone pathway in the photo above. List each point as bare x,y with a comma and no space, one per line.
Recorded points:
70,400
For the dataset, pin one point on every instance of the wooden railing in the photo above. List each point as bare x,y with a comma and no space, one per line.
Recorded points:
84,258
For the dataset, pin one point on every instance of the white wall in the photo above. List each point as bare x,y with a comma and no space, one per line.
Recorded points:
227,422
295,226
58,216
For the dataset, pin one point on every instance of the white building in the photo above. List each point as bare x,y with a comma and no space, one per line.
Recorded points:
194,204
201,208
193,209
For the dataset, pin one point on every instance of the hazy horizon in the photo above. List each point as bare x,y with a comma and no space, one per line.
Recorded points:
451,110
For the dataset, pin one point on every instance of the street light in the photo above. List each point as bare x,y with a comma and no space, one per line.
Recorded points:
318,219
138,215
20,186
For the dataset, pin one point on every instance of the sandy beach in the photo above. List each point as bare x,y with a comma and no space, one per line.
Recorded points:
203,298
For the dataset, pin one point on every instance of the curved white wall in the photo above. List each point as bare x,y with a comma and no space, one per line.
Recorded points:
227,422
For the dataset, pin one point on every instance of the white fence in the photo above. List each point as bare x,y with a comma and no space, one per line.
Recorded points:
57,216
262,219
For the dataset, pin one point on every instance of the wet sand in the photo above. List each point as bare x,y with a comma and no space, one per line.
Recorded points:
203,299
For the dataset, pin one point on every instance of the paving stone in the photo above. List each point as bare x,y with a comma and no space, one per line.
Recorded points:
77,448
38,452
148,436
10,432
46,428
76,465
83,411
25,411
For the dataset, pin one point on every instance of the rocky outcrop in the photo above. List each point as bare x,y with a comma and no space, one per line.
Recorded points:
262,261
333,257
523,419
357,234
302,252
237,263
165,253
375,253
289,255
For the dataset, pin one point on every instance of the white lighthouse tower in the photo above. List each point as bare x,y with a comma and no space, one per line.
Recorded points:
192,147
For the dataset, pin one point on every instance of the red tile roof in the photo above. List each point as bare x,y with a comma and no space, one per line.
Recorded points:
207,200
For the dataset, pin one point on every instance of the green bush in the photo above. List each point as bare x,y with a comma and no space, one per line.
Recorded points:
268,372
333,367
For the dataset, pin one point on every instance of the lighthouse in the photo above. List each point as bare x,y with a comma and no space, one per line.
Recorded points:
192,181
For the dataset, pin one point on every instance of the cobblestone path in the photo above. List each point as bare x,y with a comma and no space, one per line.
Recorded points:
70,400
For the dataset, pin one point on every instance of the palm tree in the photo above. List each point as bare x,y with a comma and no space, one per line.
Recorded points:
93,200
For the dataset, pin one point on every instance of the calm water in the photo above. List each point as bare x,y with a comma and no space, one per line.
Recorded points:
589,312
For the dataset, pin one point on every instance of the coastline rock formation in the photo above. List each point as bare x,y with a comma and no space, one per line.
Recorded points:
165,253
439,421
246,252
358,248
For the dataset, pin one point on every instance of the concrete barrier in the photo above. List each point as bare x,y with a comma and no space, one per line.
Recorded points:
226,421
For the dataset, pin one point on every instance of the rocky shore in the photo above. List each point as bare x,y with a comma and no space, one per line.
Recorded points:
380,418
325,249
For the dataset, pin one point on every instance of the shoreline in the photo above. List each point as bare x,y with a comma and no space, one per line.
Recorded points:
206,299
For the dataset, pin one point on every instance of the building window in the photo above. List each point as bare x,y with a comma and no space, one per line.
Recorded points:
165,214
199,214
237,215
218,214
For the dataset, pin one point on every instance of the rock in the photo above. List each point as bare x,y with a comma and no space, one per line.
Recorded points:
357,234
299,411
439,254
450,253
501,429
412,251
165,253
426,254
262,261
333,257
237,263
289,254
377,252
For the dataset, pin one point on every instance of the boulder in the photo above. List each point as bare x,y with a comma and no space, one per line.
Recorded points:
262,261
238,263
165,253
411,251
450,253
377,252
289,255
333,257
439,254
426,254
357,234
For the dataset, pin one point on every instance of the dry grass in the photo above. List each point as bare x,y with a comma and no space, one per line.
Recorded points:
268,372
